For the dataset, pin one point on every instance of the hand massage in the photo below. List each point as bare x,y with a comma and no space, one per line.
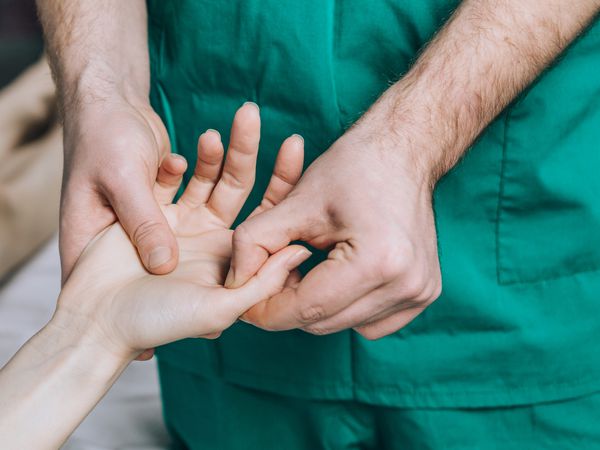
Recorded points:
334,225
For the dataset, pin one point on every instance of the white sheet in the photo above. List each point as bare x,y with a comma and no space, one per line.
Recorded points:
129,417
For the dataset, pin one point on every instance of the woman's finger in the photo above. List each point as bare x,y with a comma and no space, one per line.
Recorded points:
168,180
237,178
271,279
207,171
339,283
287,172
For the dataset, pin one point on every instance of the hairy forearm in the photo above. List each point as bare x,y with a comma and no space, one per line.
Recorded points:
97,49
486,54
52,383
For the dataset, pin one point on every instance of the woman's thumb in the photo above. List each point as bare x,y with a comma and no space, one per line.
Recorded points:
259,237
271,277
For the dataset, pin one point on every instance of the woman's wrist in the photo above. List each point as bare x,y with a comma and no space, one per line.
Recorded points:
54,381
83,345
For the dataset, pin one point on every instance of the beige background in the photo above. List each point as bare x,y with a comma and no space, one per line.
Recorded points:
129,417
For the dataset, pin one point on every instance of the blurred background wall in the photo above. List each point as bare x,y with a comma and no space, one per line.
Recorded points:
20,38
129,417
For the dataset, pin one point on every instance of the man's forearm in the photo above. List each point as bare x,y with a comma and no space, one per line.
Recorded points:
486,54
97,48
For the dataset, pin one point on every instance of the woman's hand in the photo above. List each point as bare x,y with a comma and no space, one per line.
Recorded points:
110,294
111,309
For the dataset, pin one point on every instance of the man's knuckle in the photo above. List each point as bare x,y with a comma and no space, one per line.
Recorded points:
242,236
432,289
145,230
117,176
414,285
430,292
389,265
436,291
311,313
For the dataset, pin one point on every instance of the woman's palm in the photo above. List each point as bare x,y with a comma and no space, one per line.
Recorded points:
146,310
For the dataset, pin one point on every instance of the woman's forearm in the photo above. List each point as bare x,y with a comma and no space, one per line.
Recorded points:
52,383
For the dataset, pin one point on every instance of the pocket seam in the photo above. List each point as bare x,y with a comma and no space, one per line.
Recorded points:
515,280
501,182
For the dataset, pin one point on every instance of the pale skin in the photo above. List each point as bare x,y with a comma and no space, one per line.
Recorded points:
370,193
111,310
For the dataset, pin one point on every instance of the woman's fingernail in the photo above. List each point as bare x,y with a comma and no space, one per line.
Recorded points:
299,137
213,131
158,257
298,258
252,103
176,156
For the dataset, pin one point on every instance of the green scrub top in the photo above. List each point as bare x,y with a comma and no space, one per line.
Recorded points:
518,219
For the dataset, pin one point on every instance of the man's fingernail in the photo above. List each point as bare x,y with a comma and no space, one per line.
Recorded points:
298,136
298,258
177,156
158,257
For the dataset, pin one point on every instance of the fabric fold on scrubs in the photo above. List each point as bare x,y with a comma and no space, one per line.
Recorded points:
518,219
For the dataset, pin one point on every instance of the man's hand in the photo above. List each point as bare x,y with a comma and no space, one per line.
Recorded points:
114,142
369,196
113,149
370,203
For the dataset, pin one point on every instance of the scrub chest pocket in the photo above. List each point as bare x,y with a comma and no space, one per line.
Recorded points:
549,201
517,215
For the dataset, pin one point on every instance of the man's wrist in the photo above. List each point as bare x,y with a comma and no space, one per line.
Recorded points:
481,59
408,131
97,84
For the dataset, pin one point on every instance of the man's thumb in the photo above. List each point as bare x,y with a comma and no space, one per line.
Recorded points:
271,277
147,227
259,237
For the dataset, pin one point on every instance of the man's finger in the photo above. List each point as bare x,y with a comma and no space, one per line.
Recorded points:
270,279
239,170
373,307
287,172
141,217
82,217
323,292
356,313
389,325
264,234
